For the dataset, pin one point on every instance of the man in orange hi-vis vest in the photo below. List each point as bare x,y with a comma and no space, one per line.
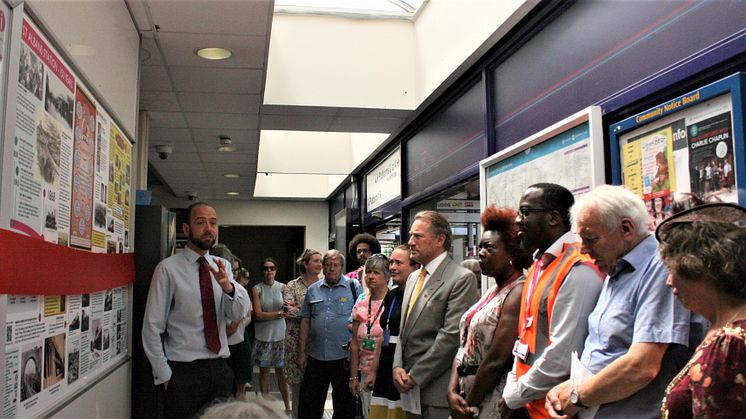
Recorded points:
561,289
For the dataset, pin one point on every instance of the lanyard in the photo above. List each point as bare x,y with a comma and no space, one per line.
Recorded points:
369,322
391,310
481,304
527,318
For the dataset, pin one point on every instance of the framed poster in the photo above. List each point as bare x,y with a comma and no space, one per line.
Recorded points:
569,153
688,145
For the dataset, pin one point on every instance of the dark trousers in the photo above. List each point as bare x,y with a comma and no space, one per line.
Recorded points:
195,384
316,380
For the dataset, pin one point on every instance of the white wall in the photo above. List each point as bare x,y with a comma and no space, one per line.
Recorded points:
108,399
102,39
313,215
333,61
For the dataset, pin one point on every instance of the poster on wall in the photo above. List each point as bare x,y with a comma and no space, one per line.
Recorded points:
689,151
383,183
52,341
569,153
65,183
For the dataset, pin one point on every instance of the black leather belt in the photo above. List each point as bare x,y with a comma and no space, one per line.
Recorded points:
465,370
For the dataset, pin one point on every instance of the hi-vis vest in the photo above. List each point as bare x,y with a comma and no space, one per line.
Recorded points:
536,336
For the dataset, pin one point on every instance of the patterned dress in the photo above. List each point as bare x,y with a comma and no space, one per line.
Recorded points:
295,293
713,382
476,341
269,335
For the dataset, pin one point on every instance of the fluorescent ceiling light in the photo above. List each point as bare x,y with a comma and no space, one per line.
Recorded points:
214,53
231,176
232,193
372,8
226,149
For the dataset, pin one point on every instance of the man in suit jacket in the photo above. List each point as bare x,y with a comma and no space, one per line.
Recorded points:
436,297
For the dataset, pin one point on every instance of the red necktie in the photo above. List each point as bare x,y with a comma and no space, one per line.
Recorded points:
208,307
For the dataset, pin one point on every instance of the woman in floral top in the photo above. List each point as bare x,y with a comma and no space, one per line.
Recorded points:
489,328
704,249
295,292
366,329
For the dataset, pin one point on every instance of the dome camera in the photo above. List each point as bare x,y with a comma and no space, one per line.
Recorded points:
163,151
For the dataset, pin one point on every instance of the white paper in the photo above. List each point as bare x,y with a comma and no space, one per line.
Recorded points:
410,401
578,375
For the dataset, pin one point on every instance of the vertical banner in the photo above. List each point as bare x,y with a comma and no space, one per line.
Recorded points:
120,172
83,170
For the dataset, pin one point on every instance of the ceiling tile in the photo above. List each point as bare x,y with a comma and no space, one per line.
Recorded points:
178,156
158,101
169,135
167,119
222,120
149,54
215,157
238,137
225,16
211,147
216,80
179,49
154,77
217,102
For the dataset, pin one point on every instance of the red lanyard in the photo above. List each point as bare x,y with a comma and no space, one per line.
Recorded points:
530,295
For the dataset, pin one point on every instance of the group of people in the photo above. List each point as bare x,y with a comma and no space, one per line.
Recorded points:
590,314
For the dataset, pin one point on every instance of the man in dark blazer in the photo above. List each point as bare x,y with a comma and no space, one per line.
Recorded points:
436,297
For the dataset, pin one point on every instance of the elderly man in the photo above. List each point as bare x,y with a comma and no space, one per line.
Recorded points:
323,338
436,297
638,331
191,299
560,291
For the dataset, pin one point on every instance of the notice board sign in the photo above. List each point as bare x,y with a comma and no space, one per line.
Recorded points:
690,144
568,153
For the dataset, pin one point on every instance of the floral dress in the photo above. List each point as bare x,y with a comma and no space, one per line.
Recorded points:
713,382
295,293
476,340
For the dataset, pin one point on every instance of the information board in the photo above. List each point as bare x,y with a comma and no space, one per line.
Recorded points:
569,153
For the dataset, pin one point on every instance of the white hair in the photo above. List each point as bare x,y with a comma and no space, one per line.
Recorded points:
613,203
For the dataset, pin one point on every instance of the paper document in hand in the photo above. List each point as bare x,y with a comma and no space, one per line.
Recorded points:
410,401
578,375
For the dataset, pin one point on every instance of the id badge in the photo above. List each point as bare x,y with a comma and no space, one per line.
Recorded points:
369,344
520,350
386,337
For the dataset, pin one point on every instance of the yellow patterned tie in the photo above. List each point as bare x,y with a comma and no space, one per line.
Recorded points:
417,290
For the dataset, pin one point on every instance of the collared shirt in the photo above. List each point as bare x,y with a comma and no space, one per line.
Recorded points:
174,309
575,299
328,308
431,267
635,305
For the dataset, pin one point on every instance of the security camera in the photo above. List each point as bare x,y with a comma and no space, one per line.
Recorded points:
192,196
163,151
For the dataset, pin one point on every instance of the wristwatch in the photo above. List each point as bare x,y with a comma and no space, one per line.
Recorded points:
575,399
474,410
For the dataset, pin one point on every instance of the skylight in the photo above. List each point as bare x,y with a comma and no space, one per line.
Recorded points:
406,9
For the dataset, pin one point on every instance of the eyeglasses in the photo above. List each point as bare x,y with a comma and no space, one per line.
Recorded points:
523,212
363,251
269,268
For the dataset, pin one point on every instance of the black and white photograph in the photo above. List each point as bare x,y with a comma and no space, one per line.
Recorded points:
48,138
85,300
97,335
54,359
50,219
31,370
107,339
108,300
75,322
58,101
73,363
84,321
31,71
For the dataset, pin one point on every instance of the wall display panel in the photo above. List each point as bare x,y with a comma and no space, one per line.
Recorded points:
596,49
383,183
569,153
66,181
448,143
691,144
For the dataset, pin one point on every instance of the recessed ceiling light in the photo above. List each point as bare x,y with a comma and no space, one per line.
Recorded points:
214,53
231,175
231,193
226,149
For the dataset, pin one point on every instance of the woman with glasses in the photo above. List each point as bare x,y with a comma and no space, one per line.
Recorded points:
310,266
269,329
366,330
704,249
489,328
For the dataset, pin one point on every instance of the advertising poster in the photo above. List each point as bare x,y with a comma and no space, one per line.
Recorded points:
42,155
686,152
101,212
84,141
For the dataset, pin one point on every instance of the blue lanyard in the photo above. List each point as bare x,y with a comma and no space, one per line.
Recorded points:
391,309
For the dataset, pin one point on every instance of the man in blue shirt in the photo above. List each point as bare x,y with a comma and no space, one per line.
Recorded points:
638,333
325,315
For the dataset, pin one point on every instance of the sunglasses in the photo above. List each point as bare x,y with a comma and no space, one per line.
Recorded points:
269,268
379,256
717,212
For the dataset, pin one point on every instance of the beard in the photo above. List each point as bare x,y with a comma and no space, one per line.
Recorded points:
204,243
